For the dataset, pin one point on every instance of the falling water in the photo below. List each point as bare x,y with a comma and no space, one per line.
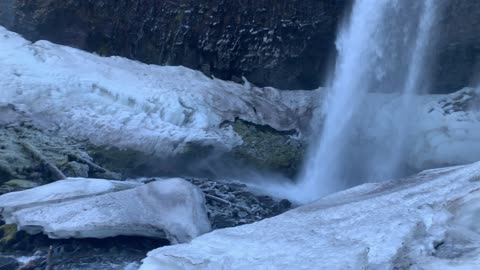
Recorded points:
383,47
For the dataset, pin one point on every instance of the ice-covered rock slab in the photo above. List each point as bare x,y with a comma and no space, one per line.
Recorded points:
173,209
374,226
60,191
120,102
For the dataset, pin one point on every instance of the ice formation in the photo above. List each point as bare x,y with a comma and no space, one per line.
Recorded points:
403,223
120,102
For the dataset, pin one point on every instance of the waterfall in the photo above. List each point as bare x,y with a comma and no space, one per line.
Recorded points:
383,47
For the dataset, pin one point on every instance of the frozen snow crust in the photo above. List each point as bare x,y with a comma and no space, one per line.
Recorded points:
404,223
120,102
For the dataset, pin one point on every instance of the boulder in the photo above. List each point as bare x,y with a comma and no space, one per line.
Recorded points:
60,191
171,209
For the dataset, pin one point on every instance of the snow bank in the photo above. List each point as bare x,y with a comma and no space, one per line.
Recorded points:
125,103
375,226
173,209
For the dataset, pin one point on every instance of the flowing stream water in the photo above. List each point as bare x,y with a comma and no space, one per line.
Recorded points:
383,47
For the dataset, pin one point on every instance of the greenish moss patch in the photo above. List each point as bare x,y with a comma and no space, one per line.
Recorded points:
8,234
267,148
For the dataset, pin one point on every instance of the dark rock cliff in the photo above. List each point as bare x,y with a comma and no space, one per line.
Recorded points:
282,43
7,13
458,55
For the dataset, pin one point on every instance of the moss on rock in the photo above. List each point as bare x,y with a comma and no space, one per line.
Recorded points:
133,163
21,184
8,234
128,162
267,148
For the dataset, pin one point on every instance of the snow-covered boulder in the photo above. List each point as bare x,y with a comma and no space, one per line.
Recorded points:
173,209
124,103
60,191
385,225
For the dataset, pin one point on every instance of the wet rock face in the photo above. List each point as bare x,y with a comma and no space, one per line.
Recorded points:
7,263
458,63
7,10
283,43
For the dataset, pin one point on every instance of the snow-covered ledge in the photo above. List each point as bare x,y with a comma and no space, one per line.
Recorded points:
125,103
405,223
